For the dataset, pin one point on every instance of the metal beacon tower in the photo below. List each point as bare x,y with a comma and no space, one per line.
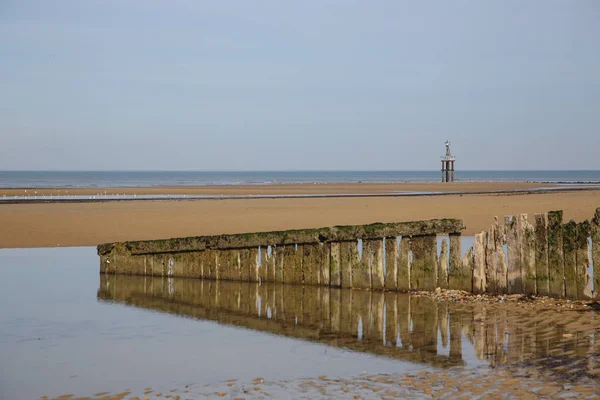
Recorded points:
448,165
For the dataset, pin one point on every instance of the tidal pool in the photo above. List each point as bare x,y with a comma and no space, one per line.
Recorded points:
65,329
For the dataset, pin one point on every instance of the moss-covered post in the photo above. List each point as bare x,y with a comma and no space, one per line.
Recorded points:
479,251
541,254
467,270
458,278
263,270
582,261
311,263
490,260
423,271
376,264
209,262
335,263
391,263
361,270
596,252
500,258
556,261
569,251
528,256
443,266
513,240
280,260
325,268
348,258
403,280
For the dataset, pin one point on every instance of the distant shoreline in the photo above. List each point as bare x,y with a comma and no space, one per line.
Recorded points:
146,196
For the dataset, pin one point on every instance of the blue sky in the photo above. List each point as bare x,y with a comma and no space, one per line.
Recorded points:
288,85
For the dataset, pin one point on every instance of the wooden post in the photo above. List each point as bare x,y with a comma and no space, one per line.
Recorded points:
335,277
458,277
376,264
582,261
391,263
423,271
442,273
528,256
541,254
569,250
513,241
596,252
479,250
556,263
361,270
403,281
348,258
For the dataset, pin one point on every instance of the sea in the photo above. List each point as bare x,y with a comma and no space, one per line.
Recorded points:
113,179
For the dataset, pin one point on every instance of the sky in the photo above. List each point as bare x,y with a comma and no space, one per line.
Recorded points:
298,85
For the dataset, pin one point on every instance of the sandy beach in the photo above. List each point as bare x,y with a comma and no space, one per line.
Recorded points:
284,189
92,223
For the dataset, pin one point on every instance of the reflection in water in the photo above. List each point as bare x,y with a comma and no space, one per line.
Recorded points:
397,325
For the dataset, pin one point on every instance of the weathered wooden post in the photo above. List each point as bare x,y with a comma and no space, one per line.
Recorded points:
459,276
514,238
582,261
361,270
500,266
556,263
490,260
348,258
569,251
335,264
403,281
423,272
541,254
528,256
391,263
376,263
479,251
596,252
442,273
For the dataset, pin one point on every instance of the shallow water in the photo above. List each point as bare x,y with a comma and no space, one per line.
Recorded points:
65,329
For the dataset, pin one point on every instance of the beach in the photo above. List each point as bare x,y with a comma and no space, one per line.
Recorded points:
89,223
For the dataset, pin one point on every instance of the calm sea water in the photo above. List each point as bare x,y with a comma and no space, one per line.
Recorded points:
66,329
37,179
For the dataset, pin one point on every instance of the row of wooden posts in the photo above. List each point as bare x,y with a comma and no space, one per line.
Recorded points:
549,258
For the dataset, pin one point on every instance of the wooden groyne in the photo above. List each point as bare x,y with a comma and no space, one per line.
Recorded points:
545,257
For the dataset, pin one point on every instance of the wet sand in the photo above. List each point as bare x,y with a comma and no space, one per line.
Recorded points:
287,189
88,223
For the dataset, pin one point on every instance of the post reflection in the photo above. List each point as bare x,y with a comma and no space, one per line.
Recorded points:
398,325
